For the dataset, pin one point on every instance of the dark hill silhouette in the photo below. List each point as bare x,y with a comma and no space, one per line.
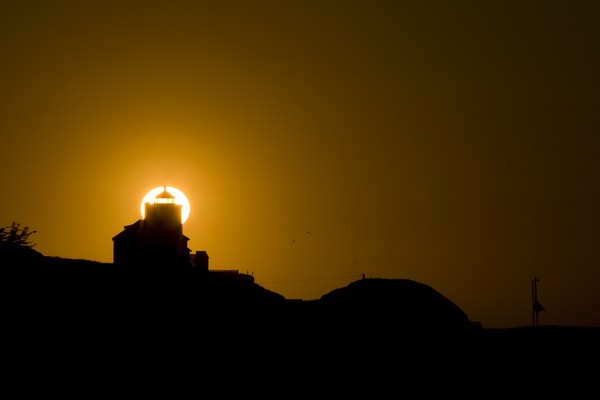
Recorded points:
396,305
370,327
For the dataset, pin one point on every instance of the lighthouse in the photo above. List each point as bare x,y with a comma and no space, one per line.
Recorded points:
156,242
164,212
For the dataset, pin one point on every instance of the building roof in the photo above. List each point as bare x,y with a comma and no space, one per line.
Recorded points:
165,195
134,229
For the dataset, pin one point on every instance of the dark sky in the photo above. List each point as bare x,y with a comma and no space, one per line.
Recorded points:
454,143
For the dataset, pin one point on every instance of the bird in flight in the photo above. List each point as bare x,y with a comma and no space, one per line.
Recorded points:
293,241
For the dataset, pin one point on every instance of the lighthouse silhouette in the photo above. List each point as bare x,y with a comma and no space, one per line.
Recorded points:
155,243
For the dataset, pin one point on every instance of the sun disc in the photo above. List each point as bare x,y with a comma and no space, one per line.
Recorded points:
180,199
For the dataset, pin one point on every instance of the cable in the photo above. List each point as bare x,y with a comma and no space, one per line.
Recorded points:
314,279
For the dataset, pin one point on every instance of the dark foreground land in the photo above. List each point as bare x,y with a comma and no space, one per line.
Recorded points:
91,323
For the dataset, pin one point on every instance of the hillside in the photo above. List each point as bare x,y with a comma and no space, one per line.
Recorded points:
396,304
76,303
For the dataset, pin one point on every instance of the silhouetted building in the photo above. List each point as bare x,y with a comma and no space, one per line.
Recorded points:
200,261
156,242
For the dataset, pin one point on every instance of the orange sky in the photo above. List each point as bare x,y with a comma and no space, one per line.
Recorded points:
456,145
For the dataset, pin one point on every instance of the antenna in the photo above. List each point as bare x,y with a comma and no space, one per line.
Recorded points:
536,306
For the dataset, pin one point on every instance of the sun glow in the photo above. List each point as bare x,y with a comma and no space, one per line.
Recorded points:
180,199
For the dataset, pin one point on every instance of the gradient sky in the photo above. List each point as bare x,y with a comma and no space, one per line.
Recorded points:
455,143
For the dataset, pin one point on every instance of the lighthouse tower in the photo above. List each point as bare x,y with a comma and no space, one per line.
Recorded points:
155,243
164,213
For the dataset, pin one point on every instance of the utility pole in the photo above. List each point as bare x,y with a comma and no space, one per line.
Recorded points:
536,306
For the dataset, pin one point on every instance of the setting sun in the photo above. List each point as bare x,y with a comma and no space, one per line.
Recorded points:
180,199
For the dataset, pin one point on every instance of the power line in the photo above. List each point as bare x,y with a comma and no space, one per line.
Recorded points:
315,279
